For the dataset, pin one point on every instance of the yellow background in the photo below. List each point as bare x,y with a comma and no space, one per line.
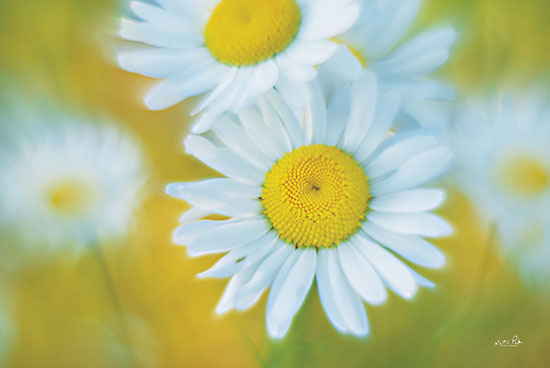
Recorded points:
63,50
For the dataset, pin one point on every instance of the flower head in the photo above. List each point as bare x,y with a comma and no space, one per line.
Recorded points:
374,43
331,195
232,50
67,181
503,163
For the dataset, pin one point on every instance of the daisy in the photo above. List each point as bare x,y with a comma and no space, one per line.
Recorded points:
325,197
231,50
68,181
503,163
374,42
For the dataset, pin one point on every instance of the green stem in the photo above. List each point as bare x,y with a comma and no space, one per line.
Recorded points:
115,300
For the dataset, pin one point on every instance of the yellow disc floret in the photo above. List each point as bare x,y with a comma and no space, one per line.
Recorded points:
247,32
316,196
523,176
70,197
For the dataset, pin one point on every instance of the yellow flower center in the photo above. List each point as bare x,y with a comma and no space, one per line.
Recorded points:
70,197
316,196
523,176
247,32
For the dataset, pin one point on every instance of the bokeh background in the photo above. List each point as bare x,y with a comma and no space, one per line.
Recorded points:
62,312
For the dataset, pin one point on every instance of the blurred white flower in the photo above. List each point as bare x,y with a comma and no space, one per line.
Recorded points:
67,181
503,163
374,42
329,197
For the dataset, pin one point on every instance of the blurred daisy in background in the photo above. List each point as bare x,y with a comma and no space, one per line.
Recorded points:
326,197
374,42
232,50
503,163
67,181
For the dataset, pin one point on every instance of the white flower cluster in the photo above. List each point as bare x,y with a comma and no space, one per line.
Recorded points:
319,115
303,105
316,114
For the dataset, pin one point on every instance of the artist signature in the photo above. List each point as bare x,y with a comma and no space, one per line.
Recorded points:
514,343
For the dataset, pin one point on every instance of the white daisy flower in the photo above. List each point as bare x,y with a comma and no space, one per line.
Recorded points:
326,197
66,181
374,43
231,50
503,163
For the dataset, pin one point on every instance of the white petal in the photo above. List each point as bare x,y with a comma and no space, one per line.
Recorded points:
413,200
421,55
237,91
192,82
208,194
227,300
222,237
281,276
265,275
157,36
386,110
295,94
343,64
361,275
241,257
263,78
218,186
260,253
234,137
412,247
415,171
394,28
395,150
328,19
223,160
337,115
311,53
420,223
188,231
204,122
287,117
225,81
364,95
274,123
161,62
391,269
292,288
174,13
348,302
194,214
327,294
317,113
149,13
257,133
421,280
295,70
